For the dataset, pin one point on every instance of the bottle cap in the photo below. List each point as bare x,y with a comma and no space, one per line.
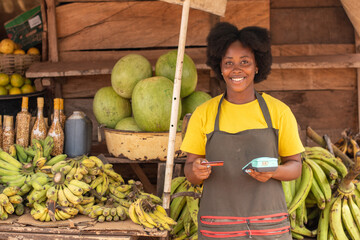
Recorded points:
25,102
61,104
40,102
56,103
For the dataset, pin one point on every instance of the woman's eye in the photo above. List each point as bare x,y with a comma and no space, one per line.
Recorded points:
228,63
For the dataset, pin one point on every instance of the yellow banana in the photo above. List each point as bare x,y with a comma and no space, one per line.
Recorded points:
9,208
75,189
132,214
11,191
96,182
97,161
15,199
52,194
120,211
63,215
114,175
335,220
105,184
72,198
40,162
124,187
4,200
89,163
8,166
348,220
85,187
70,210
141,215
9,159
160,212
62,200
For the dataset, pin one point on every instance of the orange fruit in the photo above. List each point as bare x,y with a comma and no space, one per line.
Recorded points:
4,79
19,51
27,88
14,91
33,51
16,80
3,90
7,46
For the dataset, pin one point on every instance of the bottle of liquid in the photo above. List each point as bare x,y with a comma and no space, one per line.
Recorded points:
39,130
8,133
56,130
62,114
23,119
78,132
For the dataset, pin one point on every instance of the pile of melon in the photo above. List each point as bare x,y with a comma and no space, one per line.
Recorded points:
139,100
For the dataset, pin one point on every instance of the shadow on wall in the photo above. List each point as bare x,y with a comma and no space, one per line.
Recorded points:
12,8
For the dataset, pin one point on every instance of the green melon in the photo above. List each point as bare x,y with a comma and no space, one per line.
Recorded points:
128,124
109,108
166,66
191,102
151,104
127,72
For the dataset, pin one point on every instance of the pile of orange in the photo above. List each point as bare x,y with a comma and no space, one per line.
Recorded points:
15,84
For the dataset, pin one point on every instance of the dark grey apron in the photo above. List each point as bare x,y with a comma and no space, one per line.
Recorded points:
234,205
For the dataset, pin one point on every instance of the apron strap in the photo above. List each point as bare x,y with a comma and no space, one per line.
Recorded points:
263,107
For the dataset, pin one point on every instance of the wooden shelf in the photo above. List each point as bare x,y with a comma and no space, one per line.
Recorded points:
67,69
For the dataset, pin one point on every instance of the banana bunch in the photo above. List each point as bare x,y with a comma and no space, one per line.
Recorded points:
15,173
108,212
38,184
149,215
10,201
184,209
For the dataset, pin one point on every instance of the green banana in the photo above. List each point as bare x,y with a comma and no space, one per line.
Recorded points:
9,159
192,205
323,225
321,179
318,194
287,192
304,188
175,183
329,170
56,159
348,220
355,211
335,220
333,161
21,154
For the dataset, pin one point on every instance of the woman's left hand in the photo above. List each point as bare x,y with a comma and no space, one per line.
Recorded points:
261,176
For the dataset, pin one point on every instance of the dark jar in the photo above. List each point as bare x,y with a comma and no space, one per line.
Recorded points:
78,134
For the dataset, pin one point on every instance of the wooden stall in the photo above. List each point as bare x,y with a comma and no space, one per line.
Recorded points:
314,44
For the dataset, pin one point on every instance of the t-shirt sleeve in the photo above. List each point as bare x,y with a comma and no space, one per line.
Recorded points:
194,140
289,139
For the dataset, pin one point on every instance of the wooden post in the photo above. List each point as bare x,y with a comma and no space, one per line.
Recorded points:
357,50
52,33
175,104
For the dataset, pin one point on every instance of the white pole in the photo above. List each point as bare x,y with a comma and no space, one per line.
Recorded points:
175,104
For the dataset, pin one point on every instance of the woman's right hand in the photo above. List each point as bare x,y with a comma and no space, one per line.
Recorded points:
201,171
195,172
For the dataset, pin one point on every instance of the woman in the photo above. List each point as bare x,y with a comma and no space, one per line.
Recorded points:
236,127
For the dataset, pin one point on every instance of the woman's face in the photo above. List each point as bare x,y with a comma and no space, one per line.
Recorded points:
238,67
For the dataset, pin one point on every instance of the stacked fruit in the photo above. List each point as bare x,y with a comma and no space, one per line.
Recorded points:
150,215
15,84
184,209
10,202
323,195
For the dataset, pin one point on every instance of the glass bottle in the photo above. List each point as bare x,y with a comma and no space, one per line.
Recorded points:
62,114
56,130
39,129
8,133
23,119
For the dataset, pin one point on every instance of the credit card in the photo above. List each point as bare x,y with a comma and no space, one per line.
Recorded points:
213,163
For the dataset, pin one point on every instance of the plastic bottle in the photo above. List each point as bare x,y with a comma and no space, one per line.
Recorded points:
23,119
39,130
78,134
56,130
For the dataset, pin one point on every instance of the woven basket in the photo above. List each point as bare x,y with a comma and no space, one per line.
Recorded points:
16,63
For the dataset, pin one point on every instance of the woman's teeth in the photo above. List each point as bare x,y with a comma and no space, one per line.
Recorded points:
237,79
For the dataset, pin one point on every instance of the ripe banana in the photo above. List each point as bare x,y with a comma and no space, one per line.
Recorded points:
348,220
335,220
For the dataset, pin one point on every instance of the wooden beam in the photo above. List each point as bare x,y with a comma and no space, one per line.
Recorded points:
52,32
67,69
352,9
148,187
357,49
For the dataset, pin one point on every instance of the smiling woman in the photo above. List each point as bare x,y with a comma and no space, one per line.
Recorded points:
237,127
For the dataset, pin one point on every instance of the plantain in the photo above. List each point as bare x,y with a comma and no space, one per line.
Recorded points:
321,179
348,220
335,220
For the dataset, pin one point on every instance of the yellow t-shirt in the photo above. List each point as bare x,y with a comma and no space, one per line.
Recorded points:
239,117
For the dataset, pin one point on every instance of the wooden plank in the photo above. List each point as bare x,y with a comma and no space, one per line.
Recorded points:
148,187
304,4
322,109
111,25
31,236
44,34
315,62
215,7
257,13
352,9
357,46
310,25
311,49
309,79
52,31
66,69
